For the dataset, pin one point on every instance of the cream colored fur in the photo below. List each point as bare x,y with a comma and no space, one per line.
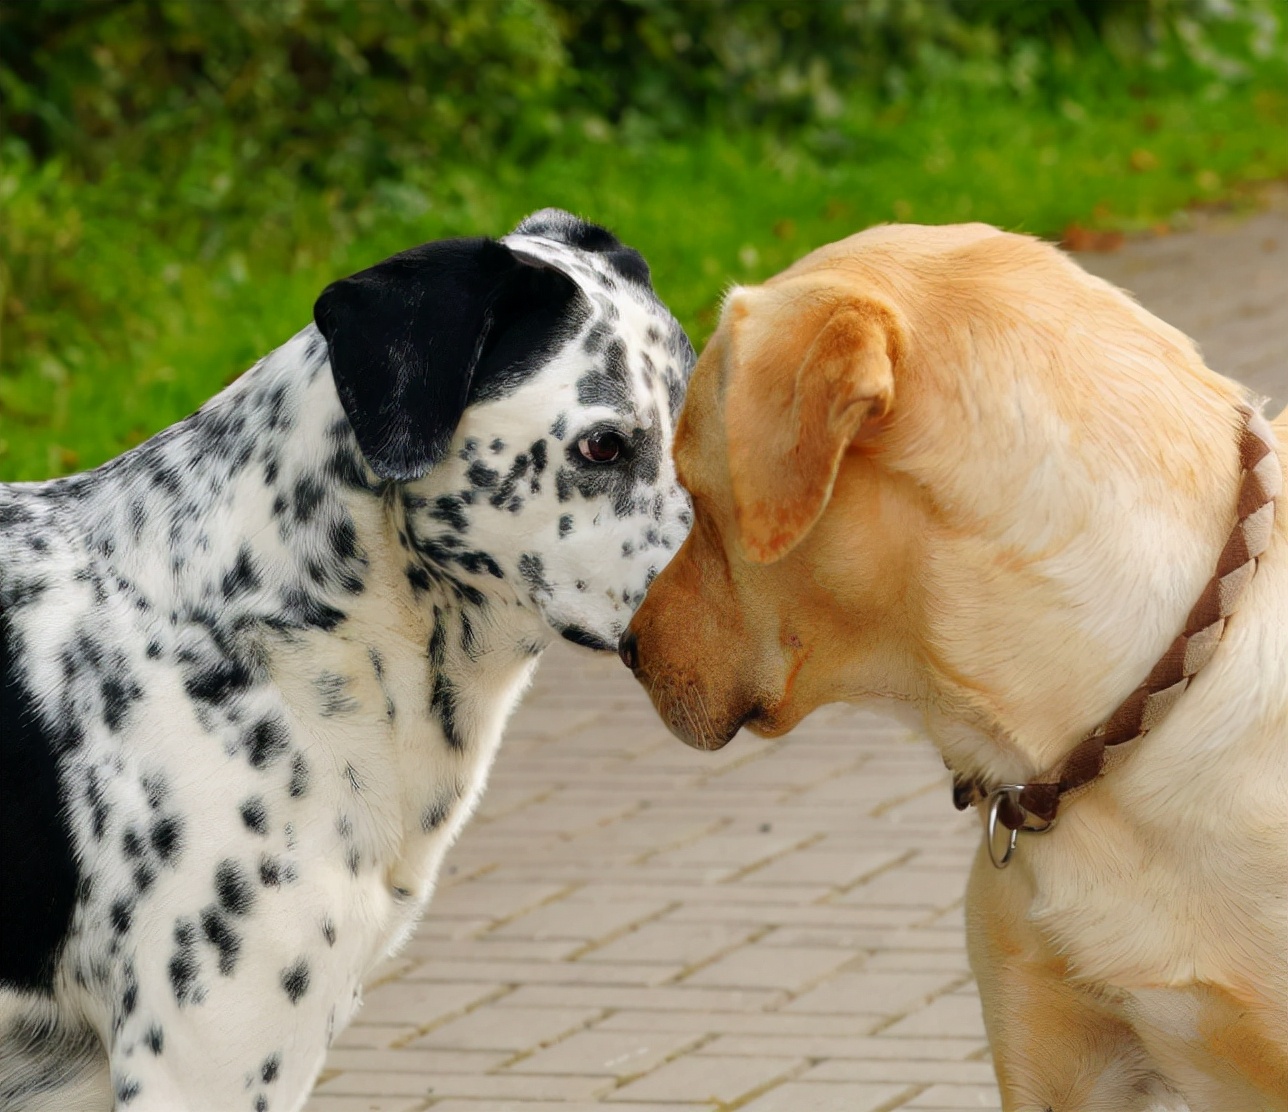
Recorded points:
946,467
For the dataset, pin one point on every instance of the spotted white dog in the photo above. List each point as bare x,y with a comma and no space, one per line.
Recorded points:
255,671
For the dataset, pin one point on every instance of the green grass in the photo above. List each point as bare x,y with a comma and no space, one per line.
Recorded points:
128,308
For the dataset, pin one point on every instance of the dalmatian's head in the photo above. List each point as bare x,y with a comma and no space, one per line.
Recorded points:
522,395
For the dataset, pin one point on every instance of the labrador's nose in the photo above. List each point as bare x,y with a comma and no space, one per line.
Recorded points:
629,650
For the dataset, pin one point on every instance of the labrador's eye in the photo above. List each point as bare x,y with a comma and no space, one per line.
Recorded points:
601,447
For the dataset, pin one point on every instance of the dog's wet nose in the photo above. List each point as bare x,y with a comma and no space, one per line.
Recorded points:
629,650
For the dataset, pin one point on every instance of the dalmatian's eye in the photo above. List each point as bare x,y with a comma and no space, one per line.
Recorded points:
601,447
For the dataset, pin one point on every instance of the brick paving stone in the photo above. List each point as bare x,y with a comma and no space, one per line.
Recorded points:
321,1102
666,999
889,994
723,1080
836,1043
559,1106
498,1086
750,1022
415,1059
608,1053
580,919
957,1098
630,924
784,967
836,868
488,899
915,1071
418,1004
510,1029
827,1096
948,1016
687,944
539,973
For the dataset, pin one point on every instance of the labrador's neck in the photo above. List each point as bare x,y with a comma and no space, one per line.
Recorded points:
1049,647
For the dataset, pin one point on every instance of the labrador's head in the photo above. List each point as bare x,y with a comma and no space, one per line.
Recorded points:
943,466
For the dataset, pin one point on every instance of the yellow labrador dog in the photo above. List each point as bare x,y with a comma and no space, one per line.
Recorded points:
948,469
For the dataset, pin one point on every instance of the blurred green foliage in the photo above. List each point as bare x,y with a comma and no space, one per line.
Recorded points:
178,178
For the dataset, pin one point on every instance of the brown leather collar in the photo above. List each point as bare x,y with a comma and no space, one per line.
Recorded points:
1035,805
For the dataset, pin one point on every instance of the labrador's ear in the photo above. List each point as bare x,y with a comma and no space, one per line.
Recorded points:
417,337
806,375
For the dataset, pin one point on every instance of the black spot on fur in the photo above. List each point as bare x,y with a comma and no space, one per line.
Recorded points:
233,888
127,1088
265,742
144,876
183,966
242,577
434,815
308,495
532,569
481,475
219,682
610,385
564,484
40,875
166,837
342,537
130,995
443,705
121,914
505,490
254,815
540,457
565,525
295,981
333,695
469,639
119,692
220,934
450,509
299,776
302,610
131,844
154,788
154,1040
270,871
346,467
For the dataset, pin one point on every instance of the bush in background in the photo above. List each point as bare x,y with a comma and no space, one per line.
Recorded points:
179,177
339,93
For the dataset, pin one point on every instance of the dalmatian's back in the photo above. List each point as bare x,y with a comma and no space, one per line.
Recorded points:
255,672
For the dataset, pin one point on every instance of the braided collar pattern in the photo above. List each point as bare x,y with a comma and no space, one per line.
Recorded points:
1035,805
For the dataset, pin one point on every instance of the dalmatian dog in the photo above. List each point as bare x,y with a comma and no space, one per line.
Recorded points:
255,670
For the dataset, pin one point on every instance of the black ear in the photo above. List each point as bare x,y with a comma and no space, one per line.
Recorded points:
563,227
414,339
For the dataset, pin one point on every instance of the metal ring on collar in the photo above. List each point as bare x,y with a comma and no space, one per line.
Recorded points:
995,797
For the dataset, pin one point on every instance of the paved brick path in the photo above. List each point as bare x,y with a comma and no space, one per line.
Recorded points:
776,927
